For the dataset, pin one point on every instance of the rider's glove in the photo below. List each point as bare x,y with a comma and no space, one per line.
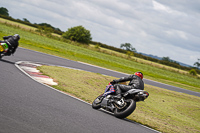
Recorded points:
113,82
6,37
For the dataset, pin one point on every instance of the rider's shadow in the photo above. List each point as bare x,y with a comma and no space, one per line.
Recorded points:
125,119
6,61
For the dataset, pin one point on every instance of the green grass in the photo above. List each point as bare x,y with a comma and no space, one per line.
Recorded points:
164,110
16,24
36,42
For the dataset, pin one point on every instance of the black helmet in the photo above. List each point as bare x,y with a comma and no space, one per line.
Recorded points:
16,37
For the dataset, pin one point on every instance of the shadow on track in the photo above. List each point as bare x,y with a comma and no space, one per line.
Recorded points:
127,120
6,61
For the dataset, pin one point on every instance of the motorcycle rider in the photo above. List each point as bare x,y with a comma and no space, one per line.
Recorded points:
12,42
136,82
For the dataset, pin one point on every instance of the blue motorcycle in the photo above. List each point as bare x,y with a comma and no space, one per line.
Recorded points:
123,107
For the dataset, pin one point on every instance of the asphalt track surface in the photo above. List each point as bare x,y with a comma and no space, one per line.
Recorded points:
27,106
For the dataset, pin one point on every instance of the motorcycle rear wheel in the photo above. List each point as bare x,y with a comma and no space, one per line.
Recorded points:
97,102
127,110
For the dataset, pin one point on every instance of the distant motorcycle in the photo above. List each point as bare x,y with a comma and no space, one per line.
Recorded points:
3,49
9,45
123,107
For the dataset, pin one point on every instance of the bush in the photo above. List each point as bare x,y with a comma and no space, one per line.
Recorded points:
193,72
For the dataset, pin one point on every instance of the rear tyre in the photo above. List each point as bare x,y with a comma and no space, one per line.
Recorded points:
97,102
125,111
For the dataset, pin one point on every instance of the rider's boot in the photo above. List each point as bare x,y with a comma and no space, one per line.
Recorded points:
118,92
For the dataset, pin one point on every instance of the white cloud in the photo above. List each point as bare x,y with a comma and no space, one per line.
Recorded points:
158,6
181,34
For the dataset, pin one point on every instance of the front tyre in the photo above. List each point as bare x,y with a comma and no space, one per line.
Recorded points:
125,111
97,102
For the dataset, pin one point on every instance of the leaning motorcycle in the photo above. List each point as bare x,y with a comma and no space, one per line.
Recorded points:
3,49
123,107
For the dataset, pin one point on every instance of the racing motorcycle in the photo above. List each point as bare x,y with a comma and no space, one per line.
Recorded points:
123,107
3,49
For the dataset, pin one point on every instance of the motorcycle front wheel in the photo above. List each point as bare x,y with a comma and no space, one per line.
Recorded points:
125,111
97,102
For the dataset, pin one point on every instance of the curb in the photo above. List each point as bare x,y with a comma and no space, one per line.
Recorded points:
31,70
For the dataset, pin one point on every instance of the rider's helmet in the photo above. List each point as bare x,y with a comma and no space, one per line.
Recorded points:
139,74
16,37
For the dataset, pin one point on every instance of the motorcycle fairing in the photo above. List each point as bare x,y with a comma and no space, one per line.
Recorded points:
3,47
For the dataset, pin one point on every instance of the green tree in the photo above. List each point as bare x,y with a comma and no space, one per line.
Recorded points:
26,20
45,25
197,64
166,59
79,34
4,11
128,47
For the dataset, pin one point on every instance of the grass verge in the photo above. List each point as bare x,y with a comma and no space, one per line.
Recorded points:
82,53
164,110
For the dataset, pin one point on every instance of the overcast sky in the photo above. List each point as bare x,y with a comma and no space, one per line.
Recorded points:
165,28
